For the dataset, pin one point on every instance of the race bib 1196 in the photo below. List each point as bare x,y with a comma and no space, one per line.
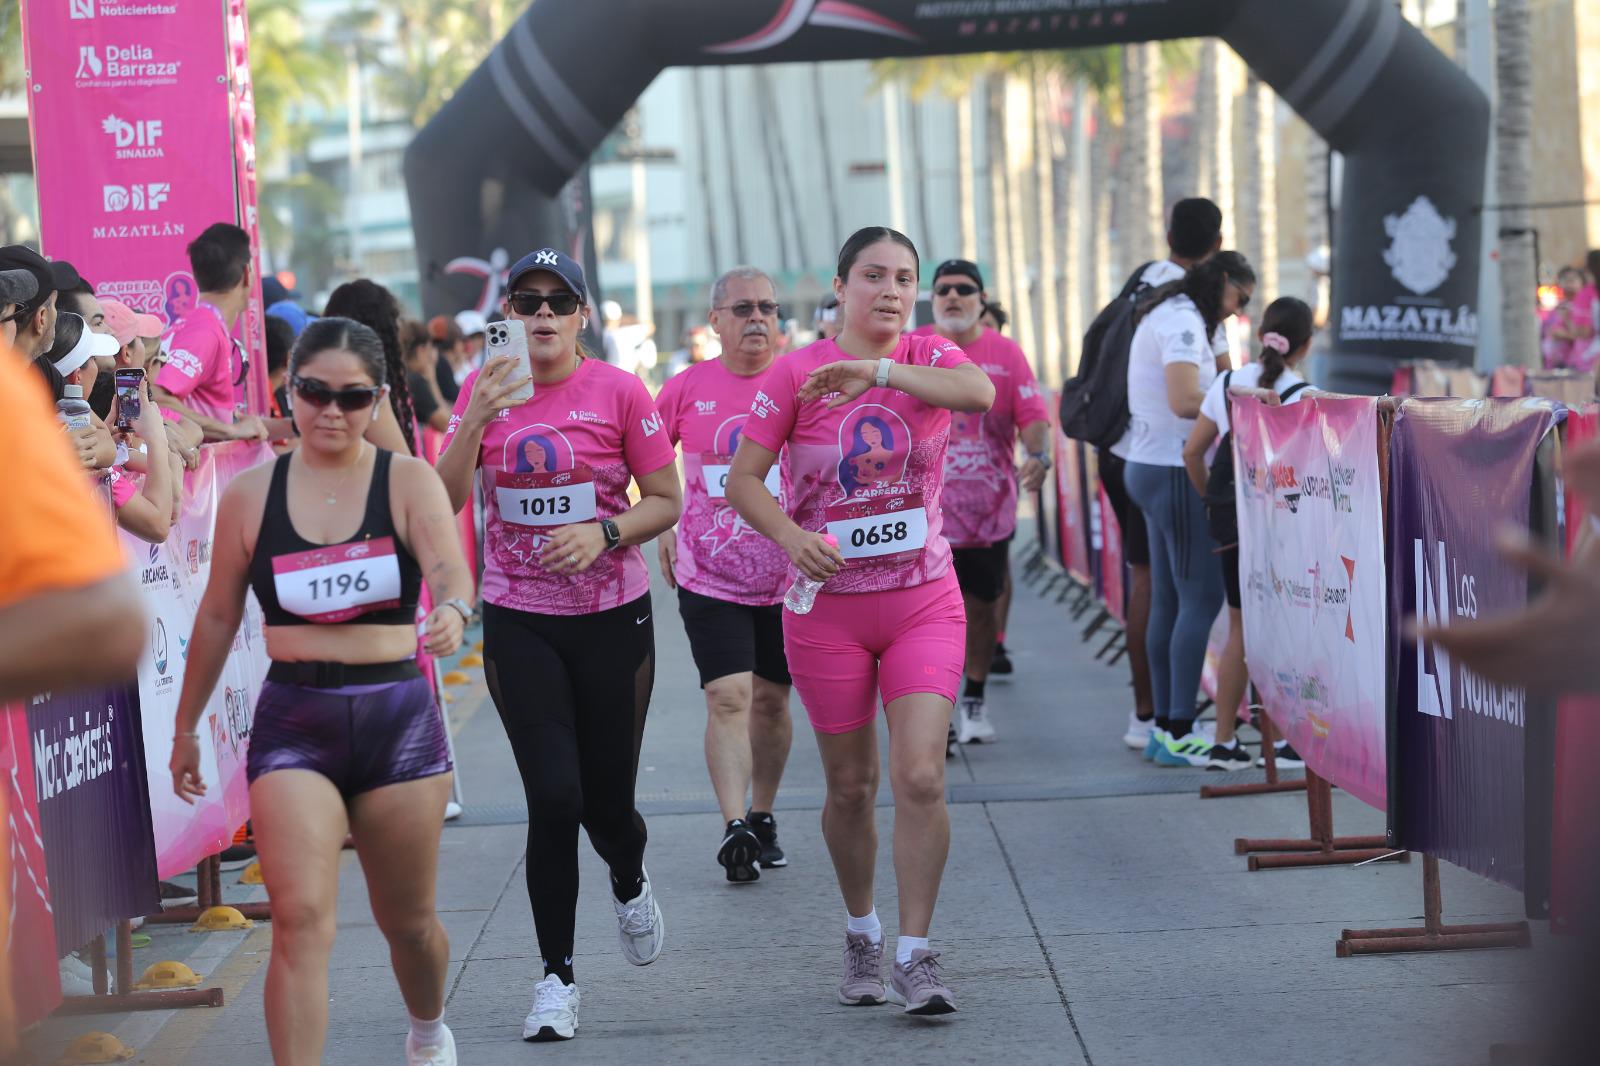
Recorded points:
339,582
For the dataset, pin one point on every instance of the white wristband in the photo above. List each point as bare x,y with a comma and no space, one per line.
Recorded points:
882,379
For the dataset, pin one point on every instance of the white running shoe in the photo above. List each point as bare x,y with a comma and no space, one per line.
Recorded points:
972,724
440,1054
1139,730
640,927
554,1015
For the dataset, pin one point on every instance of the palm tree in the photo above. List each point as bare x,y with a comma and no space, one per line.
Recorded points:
1139,185
1257,202
1213,125
1044,103
1513,125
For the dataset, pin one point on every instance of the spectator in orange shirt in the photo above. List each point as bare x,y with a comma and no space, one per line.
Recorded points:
63,585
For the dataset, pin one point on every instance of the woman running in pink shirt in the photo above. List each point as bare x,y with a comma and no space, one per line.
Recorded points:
865,418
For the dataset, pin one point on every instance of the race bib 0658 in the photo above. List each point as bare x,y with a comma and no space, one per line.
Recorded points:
879,528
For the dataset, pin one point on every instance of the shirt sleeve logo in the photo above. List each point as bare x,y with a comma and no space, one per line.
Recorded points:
651,425
186,362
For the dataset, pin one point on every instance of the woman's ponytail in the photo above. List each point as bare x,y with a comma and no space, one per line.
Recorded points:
1286,327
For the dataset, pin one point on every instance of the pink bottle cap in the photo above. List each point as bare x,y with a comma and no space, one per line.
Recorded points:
832,541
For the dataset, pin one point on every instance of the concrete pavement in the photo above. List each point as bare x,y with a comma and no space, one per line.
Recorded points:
1092,912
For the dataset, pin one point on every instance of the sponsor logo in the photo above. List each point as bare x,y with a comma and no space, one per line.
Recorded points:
562,478
357,551
124,64
139,229
1419,254
145,196
764,405
145,297
1435,325
705,407
158,646
651,425
154,574
136,139
199,555
1334,486
1325,592
546,257
594,418
110,9
1442,686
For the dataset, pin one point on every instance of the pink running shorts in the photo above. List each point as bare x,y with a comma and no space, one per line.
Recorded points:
855,647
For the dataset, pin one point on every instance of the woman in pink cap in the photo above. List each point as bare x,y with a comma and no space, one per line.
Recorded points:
865,418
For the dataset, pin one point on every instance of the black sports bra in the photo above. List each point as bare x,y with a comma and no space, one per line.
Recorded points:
371,578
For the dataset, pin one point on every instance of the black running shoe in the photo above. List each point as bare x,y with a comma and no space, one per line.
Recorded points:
1000,665
765,827
1287,758
740,853
950,742
1226,758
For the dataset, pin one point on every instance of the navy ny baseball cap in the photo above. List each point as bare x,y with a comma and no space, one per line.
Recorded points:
564,267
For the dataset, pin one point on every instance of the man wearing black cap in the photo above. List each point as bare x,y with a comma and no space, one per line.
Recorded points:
17,287
981,475
35,320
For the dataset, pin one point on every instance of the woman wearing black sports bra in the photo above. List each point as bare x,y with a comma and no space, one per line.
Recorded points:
335,538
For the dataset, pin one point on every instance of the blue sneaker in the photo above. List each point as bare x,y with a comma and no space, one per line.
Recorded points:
1193,749
1158,740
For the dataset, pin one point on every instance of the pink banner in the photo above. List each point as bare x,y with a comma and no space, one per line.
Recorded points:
1070,517
29,950
1111,586
141,132
1312,567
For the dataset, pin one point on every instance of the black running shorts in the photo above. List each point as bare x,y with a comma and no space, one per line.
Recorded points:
1135,540
982,571
732,638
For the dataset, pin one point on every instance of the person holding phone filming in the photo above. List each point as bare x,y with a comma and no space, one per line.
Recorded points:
569,648
336,538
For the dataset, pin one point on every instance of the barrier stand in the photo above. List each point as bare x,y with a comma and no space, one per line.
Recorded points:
1269,753
1322,848
103,1002
1433,934
208,894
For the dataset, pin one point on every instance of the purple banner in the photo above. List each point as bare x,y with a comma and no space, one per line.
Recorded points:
1460,471
94,810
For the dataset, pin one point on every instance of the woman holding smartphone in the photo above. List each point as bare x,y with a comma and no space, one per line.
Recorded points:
569,648
336,538
865,418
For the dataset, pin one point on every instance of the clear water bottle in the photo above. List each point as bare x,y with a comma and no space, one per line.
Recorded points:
802,595
72,409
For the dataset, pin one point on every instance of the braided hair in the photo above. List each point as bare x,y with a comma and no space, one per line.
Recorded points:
375,307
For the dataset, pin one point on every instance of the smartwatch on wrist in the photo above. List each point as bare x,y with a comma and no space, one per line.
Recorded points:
1042,457
612,533
461,607
882,378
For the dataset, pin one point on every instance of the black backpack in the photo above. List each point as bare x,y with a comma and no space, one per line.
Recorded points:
1094,403
1222,508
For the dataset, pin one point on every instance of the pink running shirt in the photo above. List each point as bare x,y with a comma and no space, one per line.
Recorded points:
719,554
563,457
870,472
980,467
200,364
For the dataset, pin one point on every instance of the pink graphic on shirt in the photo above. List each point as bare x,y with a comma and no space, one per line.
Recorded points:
201,361
599,422
980,470
705,408
883,447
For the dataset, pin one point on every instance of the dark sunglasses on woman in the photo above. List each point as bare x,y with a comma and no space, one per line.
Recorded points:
528,303
316,394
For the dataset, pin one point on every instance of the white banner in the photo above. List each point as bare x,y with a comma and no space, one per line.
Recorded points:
1311,567
172,578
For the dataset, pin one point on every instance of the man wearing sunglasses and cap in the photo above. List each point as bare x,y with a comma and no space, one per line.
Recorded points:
31,323
981,475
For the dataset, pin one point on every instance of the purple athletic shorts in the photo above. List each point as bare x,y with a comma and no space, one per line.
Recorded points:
360,737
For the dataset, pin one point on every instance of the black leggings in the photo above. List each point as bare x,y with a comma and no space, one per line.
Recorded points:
572,691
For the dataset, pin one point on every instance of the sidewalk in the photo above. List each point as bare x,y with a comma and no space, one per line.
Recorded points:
1093,911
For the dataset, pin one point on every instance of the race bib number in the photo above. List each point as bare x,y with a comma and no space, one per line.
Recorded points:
339,582
716,467
879,528
544,501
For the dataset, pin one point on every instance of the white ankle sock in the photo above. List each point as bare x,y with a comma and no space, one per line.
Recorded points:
905,945
868,925
425,1033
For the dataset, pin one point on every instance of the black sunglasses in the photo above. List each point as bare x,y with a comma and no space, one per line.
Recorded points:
960,289
746,308
528,303
1244,297
315,393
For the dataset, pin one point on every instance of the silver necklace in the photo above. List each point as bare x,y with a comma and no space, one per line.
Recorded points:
331,496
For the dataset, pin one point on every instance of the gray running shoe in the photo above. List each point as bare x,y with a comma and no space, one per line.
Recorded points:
863,971
918,987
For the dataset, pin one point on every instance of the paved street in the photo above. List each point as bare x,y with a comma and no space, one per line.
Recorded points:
1093,911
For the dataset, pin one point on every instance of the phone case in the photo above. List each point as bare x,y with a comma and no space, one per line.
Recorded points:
510,338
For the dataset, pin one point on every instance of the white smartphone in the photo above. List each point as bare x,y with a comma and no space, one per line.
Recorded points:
511,338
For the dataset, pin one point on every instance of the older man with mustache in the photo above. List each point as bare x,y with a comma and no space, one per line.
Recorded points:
730,579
